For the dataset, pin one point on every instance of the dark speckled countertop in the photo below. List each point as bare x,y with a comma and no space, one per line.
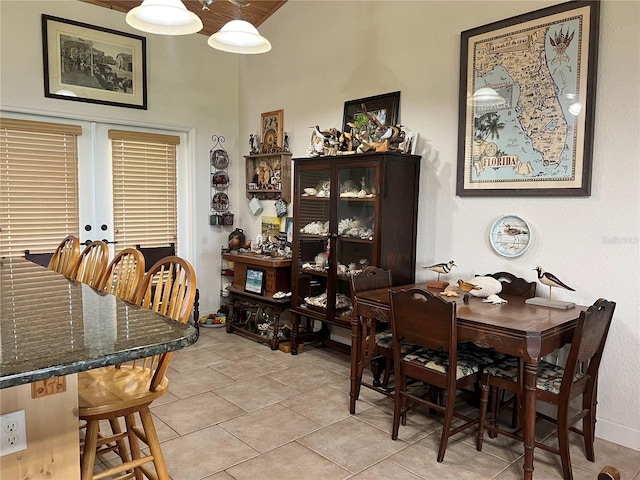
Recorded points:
51,326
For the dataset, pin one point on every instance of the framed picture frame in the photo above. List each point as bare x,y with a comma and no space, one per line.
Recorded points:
254,282
289,229
386,107
271,127
522,133
87,63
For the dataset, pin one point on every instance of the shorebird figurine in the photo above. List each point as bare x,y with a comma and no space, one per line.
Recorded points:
439,268
551,280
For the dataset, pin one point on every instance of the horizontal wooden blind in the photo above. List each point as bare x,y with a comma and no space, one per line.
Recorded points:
38,185
144,188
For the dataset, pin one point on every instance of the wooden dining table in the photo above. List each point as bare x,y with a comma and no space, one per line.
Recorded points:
516,328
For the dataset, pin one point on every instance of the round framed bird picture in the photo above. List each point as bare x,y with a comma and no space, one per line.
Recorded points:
510,236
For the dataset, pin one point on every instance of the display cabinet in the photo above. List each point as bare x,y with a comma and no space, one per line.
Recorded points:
349,212
268,176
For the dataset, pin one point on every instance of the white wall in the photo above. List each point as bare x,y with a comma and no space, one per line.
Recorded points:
192,88
327,52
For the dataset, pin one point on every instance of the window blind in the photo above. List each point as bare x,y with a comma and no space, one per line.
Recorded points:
144,188
38,185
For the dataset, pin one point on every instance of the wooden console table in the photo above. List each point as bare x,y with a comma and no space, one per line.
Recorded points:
277,278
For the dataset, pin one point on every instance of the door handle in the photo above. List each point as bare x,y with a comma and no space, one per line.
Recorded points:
108,241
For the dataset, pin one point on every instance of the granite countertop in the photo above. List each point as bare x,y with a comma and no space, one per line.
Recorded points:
51,326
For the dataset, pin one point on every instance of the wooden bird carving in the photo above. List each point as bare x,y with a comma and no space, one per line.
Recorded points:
551,280
439,268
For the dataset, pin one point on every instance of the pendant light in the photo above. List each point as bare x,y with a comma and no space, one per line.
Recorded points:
165,17
239,36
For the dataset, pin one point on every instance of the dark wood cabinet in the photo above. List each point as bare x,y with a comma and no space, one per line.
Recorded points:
274,275
349,212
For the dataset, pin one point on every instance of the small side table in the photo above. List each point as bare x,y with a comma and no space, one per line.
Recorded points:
277,304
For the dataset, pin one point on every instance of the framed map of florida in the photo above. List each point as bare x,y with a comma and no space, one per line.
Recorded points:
527,96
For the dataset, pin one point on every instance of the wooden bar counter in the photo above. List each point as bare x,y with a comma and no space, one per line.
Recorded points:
51,328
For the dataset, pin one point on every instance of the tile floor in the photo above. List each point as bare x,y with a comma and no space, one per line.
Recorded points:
237,410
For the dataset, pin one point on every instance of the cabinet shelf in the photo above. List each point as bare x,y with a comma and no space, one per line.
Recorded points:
270,170
318,273
356,240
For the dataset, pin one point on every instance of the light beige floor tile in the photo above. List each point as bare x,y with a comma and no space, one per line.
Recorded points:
246,367
235,350
166,398
461,461
204,340
196,412
192,382
289,462
219,476
256,393
285,359
306,377
164,431
204,452
625,460
269,427
546,466
324,405
385,470
352,444
188,359
417,427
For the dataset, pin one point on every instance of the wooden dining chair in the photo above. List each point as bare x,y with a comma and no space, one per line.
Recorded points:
372,278
65,255
429,322
155,254
42,259
121,391
559,385
516,287
124,274
91,264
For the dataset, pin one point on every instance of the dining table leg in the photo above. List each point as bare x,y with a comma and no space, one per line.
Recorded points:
530,381
355,361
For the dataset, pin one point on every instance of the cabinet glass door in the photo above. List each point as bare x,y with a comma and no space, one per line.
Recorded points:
356,224
313,216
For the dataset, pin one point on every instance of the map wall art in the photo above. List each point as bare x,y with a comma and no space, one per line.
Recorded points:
526,114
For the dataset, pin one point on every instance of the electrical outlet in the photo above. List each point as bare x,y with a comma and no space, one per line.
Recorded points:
13,433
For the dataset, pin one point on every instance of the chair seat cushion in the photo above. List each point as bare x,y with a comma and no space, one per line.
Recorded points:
549,375
385,340
439,361
483,353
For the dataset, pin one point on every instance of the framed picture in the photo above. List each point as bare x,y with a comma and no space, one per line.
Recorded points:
85,63
385,107
255,281
271,125
289,229
527,98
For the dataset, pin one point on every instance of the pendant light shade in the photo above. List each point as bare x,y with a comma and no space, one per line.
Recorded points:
239,36
165,17
486,97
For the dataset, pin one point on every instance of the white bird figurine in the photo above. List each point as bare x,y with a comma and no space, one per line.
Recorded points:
483,287
441,268
551,280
